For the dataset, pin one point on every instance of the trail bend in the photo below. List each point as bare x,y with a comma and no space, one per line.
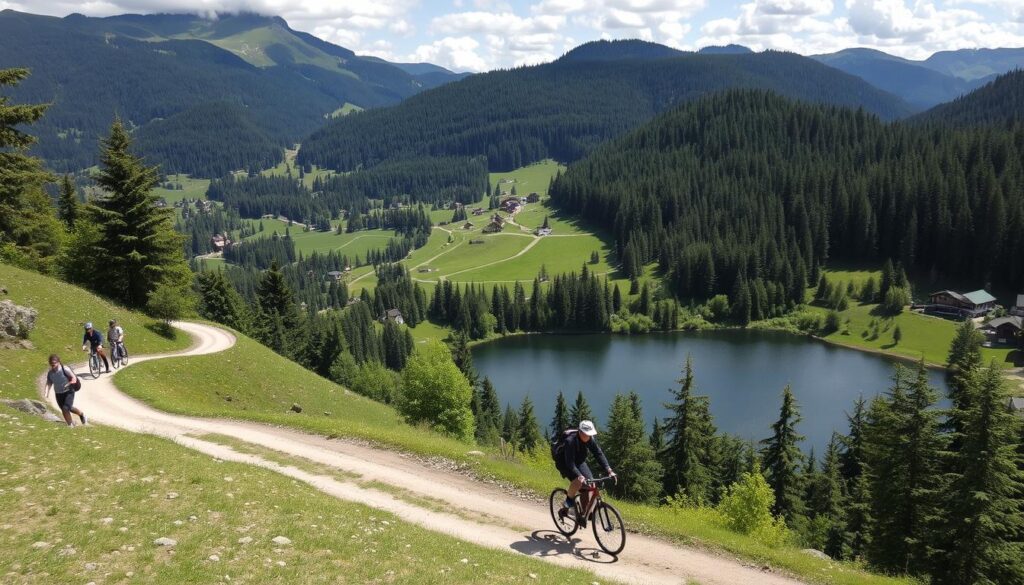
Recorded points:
464,508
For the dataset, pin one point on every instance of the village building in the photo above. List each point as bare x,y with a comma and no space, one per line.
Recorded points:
219,242
478,211
543,231
965,306
1006,330
467,226
497,224
392,315
1016,405
160,203
512,205
335,275
1018,308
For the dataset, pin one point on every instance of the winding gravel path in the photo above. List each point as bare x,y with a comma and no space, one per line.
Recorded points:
462,507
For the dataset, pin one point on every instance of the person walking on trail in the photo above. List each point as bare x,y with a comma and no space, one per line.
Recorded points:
571,459
63,381
94,340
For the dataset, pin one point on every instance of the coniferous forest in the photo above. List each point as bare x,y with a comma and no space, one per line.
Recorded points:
746,194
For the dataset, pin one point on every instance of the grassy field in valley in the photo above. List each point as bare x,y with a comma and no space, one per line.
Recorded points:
190,188
86,504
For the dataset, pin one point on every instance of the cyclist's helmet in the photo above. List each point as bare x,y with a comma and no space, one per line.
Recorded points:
588,428
88,325
112,321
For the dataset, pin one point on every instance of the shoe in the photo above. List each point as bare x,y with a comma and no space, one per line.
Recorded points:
82,416
108,370
563,513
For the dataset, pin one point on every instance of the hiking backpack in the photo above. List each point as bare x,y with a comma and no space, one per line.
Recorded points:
558,440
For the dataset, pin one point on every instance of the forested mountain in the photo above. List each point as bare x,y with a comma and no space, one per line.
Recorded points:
563,109
620,50
725,50
915,82
976,63
1000,103
745,193
93,69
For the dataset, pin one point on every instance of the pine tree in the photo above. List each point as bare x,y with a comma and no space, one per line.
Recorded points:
782,459
67,203
510,425
580,411
560,420
463,357
963,359
30,234
826,504
489,417
136,247
220,302
690,433
984,527
629,451
528,435
282,329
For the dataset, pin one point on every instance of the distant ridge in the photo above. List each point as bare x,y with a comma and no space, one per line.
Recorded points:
619,50
730,49
999,103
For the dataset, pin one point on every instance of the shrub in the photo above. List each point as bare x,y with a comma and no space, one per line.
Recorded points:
718,307
832,322
747,509
375,381
433,390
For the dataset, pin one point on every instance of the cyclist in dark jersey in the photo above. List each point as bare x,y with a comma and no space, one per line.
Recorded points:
573,462
94,339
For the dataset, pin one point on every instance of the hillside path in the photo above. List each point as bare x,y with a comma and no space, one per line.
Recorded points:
437,499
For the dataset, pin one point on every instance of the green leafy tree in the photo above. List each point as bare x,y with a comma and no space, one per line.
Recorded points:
168,302
783,459
629,451
377,381
30,234
984,527
747,509
434,391
690,435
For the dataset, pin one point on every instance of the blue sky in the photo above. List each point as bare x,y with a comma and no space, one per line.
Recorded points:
477,35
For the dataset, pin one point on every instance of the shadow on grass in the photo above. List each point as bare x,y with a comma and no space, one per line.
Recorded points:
1015,357
163,329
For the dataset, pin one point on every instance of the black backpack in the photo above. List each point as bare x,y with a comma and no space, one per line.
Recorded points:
558,440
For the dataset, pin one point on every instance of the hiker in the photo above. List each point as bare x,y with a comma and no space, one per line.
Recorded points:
64,383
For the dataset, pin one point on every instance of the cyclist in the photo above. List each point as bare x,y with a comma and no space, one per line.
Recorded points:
115,337
94,339
572,463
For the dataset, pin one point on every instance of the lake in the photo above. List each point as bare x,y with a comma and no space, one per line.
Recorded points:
743,372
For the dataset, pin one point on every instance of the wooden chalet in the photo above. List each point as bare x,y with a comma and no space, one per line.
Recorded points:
1006,330
497,224
219,242
963,305
335,275
511,205
467,226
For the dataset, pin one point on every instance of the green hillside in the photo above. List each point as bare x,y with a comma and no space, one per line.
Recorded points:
118,484
999,103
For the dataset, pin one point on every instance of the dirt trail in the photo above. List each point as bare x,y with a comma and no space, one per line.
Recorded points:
462,507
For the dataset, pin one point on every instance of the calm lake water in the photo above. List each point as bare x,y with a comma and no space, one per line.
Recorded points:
743,373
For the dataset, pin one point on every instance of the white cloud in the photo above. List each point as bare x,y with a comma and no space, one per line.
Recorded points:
455,53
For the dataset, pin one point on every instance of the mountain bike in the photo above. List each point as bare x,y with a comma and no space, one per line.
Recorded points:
94,364
118,354
609,531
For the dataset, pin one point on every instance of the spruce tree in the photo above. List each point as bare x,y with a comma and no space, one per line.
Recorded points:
690,434
528,435
510,425
580,411
463,357
984,527
136,247
629,451
560,420
30,233
220,302
782,460
488,414
67,203
963,359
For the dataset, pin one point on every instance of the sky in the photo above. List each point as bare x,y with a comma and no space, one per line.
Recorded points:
479,35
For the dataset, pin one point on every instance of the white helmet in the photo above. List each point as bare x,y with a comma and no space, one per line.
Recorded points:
587,427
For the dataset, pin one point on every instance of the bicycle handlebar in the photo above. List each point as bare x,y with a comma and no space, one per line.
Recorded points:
600,480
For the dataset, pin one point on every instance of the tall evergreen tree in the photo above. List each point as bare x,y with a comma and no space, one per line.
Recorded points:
528,435
630,452
29,230
782,460
510,425
67,202
136,247
488,414
463,357
220,302
963,359
984,526
560,420
580,411
690,434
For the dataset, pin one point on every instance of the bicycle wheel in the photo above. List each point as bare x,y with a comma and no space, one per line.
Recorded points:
115,357
94,366
564,524
609,530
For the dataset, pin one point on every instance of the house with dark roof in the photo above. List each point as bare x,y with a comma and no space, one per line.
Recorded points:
392,315
1018,308
335,275
963,305
1016,405
1006,330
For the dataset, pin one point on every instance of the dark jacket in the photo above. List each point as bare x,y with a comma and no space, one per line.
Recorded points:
95,339
575,453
